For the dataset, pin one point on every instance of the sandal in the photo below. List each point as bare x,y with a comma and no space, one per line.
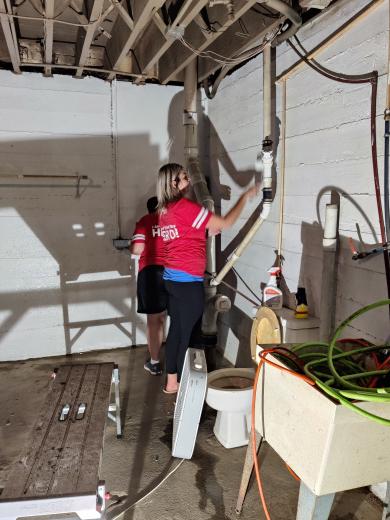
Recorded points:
169,391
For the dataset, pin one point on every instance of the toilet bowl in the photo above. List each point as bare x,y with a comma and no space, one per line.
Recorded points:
229,391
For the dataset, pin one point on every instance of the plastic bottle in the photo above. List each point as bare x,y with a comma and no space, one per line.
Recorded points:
272,295
301,310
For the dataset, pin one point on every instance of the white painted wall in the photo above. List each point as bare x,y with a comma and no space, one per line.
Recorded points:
327,144
63,288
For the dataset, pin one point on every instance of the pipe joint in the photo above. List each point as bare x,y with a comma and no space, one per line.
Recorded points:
266,209
387,114
267,195
267,144
190,118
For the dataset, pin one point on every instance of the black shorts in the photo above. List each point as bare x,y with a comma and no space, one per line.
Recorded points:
151,294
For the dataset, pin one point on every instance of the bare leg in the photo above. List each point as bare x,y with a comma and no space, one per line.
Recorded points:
155,333
172,384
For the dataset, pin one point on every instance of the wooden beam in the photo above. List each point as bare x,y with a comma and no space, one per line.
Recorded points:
48,34
87,67
123,41
178,56
153,45
85,38
231,44
349,24
8,27
125,15
159,23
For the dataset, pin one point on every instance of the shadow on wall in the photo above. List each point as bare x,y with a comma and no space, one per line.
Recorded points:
59,268
358,283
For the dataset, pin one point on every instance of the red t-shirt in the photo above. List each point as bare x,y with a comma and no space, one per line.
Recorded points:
183,230
147,231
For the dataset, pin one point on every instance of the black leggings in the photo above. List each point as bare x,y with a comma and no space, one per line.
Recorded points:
185,308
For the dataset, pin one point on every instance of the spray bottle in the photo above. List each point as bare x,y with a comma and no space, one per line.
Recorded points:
272,295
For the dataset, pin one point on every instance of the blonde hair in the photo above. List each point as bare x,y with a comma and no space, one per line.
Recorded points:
167,191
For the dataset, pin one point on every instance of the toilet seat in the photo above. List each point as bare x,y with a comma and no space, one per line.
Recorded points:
265,331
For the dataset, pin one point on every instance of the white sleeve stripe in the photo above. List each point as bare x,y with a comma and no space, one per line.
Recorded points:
199,216
138,237
202,220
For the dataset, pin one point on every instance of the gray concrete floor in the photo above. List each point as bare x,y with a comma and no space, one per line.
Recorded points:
205,487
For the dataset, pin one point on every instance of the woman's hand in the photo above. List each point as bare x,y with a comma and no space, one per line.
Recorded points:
252,192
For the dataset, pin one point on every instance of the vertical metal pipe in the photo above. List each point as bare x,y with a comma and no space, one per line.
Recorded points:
114,154
202,194
282,171
267,89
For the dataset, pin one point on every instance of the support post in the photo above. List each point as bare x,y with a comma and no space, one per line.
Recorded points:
247,470
117,406
313,507
386,507
329,272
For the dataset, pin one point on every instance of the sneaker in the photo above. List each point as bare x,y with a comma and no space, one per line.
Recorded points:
154,368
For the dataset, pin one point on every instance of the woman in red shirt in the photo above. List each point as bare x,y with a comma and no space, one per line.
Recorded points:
183,225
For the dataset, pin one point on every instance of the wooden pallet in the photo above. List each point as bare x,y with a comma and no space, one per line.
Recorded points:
59,471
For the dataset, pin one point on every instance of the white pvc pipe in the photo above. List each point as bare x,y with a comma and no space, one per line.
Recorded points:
330,227
265,163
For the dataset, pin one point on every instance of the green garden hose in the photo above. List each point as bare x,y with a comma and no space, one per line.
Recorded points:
341,377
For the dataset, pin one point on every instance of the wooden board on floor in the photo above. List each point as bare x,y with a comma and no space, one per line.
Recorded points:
64,456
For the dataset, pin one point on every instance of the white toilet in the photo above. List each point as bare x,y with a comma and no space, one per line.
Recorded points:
229,392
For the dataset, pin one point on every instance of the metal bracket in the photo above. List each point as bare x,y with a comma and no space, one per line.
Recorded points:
116,407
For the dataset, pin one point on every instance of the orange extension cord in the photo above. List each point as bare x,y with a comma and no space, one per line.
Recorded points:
263,359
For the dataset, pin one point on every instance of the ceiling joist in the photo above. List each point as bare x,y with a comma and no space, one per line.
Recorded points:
154,44
122,41
49,34
137,40
8,26
85,38
178,56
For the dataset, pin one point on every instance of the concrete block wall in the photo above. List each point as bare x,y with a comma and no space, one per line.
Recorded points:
327,145
63,288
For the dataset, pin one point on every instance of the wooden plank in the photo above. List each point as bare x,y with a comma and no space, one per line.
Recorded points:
64,457
8,27
123,41
152,45
64,480
84,40
48,34
91,458
39,480
22,468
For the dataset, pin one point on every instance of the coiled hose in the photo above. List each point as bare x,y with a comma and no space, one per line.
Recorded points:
337,372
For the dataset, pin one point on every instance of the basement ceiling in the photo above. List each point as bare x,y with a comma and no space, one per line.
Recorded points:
137,40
